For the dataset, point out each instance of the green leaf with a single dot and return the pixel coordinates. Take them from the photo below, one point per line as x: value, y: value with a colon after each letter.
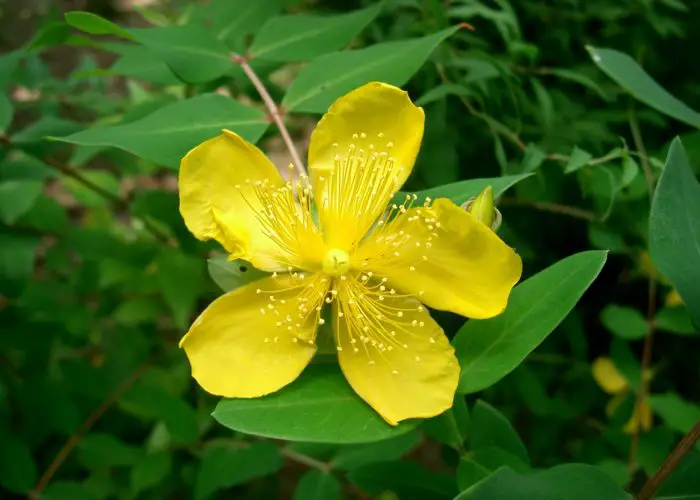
x: 137, y: 311
x: 408, y: 480
x: 17, y: 467
x: 567, y: 74
x: 684, y: 481
x: 165, y: 136
x: 318, y: 485
x: 579, y: 159
x: 490, y: 428
x: 141, y: 63
x: 630, y: 170
x: 452, y: 426
x: 223, y: 467
x: 322, y: 399
x: 17, y: 197
x: 232, y: 21
x: 563, y: 482
x: 232, y: 274
x: 675, y: 320
x: 488, y: 350
x: 102, y: 451
x: 86, y: 195
x: 358, y: 455
x: 624, y: 322
x: 630, y: 76
x: 67, y: 490
x: 443, y: 90
x: 6, y: 112
x: 149, y: 470
x: 180, y: 278
x: 674, y: 232
x: 302, y: 37
x: 8, y: 65
x: 677, y: 413
x: 95, y: 25
x: 51, y: 34
x: 191, y: 51
x: 478, y: 464
x: 331, y: 76
x: 461, y: 191
x: 17, y: 253
x: 532, y: 159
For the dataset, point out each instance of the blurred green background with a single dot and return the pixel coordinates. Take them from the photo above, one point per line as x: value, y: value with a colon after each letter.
x: 99, y: 278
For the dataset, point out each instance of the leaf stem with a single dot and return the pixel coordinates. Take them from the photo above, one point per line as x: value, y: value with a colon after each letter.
x: 273, y: 109
x: 556, y: 208
x: 305, y: 459
x: 682, y: 448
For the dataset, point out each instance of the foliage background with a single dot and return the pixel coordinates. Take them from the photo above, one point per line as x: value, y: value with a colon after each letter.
x: 99, y: 278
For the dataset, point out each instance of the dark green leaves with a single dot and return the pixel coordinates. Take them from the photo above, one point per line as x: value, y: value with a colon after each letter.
x: 320, y: 406
x: 490, y: 428
x: 302, y: 37
x: 490, y: 349
x: 180, y: 278
x: 624, y: 322
x: 629, y: 75
x: 331, y: 76
x: 17, y: 468
x: 564, y: 482
x: 226, y: 466
x: 674, y: 230
x: 318, y: 485
x: 166, y: 135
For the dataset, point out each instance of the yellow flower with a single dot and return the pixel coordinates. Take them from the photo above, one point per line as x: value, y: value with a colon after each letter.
x: 370, y: 263
x: 611, y: 381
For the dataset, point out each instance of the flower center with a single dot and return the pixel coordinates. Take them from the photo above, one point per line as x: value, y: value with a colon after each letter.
x: 336, y: 262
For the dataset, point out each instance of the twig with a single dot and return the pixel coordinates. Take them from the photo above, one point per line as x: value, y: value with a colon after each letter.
x: 272, y: 108
x: 651, y: 292
x: 306, y: 460
x: 556, y: 208
x: 97, y: 413
x: 671, y: 462
x: 118, y: 202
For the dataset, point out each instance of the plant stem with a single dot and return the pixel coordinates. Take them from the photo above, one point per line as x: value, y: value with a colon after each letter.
x: 118, y: 202
x: 97, y: 413
x: 556, y: 208
x: 306, y: 460
x: 273, y: 109
x: 671, y: 462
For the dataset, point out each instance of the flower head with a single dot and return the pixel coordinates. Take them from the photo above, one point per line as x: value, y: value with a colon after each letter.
x: 372, y: 261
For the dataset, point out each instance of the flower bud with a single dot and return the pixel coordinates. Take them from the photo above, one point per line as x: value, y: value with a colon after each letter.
x: 484, y: 208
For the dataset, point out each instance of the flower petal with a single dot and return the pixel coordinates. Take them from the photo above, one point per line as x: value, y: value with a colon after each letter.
x: 445, y: 257
x: 256, y: 339
x: 393, y: 354
x: 226, y: 193
x: 360, y: 154
x: 608, y: 376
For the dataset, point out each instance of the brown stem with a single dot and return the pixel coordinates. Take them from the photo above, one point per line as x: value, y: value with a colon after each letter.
x: 639, y: 146
x: 97, y: 413
x: 556, y: 208
x: 118, y: 202
x: 272, y: 109
x: 682, y: 448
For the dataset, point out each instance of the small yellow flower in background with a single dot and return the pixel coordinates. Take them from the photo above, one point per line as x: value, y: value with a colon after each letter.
x: 371, y: 263
x: 612, y: 382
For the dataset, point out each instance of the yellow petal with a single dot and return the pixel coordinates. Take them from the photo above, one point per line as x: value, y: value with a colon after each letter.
x: 393, y: 354
x: 360, y: 154
x: 641, y: 418
x: 445, y: 257
x: 249, y: 343
x: 226, y: 193
x: 608, y: 377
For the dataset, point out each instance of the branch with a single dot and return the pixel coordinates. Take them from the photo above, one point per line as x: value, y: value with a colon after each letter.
x: 556, y: 208
x: 115, y: 200
x: 684, y: 446
x: 97, y: 413
x: 273, y: 110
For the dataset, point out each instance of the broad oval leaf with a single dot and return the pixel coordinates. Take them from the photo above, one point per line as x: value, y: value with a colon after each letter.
x: 630, y: 75
x: 328, y: 77
x: 674, y: 228
x: 231, y: 21
x: 301, y: 37
x: 166, y: 135
x: 461, y: 191
x: 563, y: 482
x: 320, y: 406
x: 490, y: 428
x: 95, y: 25
x: 489, y: 349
